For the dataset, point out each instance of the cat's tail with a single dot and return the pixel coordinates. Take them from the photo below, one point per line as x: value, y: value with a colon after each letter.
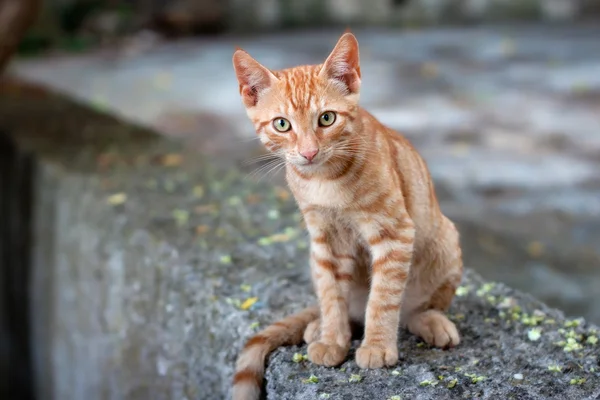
x: 250, y: 366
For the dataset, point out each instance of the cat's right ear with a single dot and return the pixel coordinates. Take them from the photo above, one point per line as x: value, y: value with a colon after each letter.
x: 343, y: 64
x: 252, y: 77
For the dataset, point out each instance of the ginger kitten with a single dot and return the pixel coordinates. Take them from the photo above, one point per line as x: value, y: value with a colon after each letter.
x: 382, y: 253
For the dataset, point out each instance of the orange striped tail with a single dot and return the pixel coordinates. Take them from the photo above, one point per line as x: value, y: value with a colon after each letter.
x: 250, y: 366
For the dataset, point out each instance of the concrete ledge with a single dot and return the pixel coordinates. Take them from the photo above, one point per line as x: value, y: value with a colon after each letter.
x: 152, y: 266
x: 513, y: 347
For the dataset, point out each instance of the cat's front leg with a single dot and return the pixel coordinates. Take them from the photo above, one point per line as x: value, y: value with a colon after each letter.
x: 391, y: 241
x: 331, y: 280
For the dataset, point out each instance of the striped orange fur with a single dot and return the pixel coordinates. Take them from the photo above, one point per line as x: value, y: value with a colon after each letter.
x: 382, y: 253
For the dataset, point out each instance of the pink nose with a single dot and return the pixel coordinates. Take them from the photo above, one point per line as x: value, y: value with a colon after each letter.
x: 309, y: 154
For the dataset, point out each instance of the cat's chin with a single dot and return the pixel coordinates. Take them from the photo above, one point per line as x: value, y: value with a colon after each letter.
x: 310, y: 166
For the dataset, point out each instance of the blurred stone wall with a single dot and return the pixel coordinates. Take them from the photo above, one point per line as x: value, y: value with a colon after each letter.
x: 117, y: 17
x: 78, y: 24
x: 277, y: 14
x: 282, y: 13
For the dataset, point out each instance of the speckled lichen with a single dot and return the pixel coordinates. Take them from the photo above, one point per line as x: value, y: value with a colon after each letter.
x: 555, y: 368
x: 299, y: 357
x: 534, y: 334
x: 523, y: 327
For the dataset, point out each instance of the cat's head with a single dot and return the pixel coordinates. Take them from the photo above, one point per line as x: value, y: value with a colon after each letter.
x: 306, y: 114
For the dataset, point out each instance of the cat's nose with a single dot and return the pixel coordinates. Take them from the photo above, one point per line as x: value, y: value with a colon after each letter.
x: 309, y: 154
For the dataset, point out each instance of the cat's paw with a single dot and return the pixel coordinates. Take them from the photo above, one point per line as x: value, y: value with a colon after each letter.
x: 312, y: 331
x: 327, y: 354
x: 435, y: 329
x: 371, y: 356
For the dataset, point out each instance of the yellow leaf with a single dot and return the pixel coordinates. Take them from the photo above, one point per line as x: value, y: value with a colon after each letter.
x: 202, y: 229
x: 253, y: 199
x: 429, y: 70
x: 181, y: 216
x: 246, y: 288
x: 172, y: 160
x: 206, y: 209
x: 198, y: 191
x: 535, y: 248
x: 248, y: 303
x: 116, y: 199
x: 282, y: 193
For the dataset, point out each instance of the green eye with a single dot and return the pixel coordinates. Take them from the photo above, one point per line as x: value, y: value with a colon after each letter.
x: 282, y: 124
x: 327, y: 118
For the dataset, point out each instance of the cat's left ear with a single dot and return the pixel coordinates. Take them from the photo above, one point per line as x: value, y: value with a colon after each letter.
x: 253, y: 77
x: 343, y: 64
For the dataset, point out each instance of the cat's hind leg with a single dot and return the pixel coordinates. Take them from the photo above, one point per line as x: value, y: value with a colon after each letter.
x: 312, y: 333
x: 437, y: 272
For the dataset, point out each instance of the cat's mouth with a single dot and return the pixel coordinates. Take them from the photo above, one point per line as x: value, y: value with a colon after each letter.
x: 310, y: 164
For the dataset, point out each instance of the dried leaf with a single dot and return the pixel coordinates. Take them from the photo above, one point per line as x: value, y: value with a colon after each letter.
x: 181, y: 216
x: 198, y: 191
x: 172, y: 160
x: 299, y: 357
x: 225, y: 259
x: 245, y: 287
x: 282, y: 193
x: 555, y: 368
x: 206, y: 209
x: 116, y: 199
x: 311, y: 379
x: 462, y: 291
x: 202, y: 229
x: 248, y: 303
x: 535, y: 249
x: 253, y: 199
x: 429, y: 70
x: 592, y: 340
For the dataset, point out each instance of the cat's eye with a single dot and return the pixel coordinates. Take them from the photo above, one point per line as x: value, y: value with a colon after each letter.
x: 282, y: 124
x: 327, y: 118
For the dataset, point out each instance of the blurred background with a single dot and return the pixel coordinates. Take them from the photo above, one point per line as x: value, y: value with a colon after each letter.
x: 502, y: 98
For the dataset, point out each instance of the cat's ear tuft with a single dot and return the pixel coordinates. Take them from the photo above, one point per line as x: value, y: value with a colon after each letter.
x: 252, y: 77
x: 343, y: 64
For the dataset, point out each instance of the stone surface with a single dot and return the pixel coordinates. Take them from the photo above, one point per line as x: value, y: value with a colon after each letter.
x: 498, y: 358
x: 506, y: 117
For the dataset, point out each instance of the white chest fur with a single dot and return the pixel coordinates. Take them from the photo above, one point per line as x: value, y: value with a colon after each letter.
x: 330, y: 194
